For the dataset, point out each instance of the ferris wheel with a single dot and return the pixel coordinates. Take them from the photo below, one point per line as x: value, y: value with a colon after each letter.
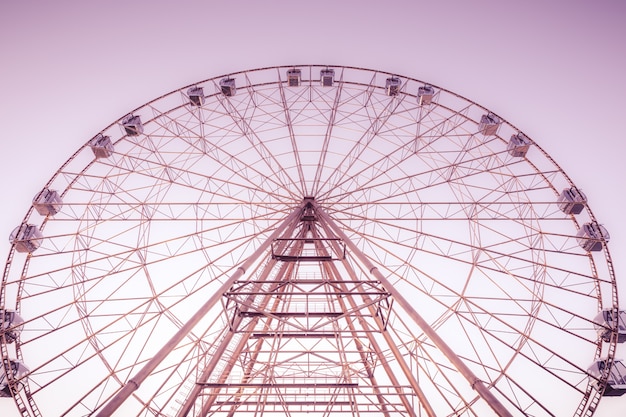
x: 318, y: 240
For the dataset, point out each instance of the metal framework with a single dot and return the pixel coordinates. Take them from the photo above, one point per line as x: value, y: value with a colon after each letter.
x: 308, y: 240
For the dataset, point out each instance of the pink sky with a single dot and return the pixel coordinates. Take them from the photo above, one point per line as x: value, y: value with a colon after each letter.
x: 554, y: 69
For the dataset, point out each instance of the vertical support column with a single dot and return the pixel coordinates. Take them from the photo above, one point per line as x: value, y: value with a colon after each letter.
x: 184, y: 411
x: 472, y: 379
x: 136, y: 381
x: 390, y: 343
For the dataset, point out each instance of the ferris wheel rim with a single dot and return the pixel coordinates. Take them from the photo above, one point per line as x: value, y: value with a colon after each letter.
x: 278, y: 69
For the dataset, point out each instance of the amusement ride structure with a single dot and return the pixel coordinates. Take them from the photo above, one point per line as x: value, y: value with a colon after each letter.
x: 310, y: 240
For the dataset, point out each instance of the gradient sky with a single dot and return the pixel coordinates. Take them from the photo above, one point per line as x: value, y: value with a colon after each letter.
x: 555, y: 69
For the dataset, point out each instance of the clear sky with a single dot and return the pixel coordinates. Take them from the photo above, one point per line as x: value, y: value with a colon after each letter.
x: 553, y: 68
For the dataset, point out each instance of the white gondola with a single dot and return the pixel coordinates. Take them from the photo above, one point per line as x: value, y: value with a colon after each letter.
x: 425, y: 95
x: 518, y: 145
x: 489, y: 124
x: 101, y: 146
x: 227, y: 86
x: 26, y: 237
x: 196, y: 96
x: 47, y: 202
x: 132, y: 125
x: 572, y: 201
x: 12, y: 325
x: 592, y: 236
x: 616, y: 382
x: 604, y: 323
x: 392, y: 86
x: 18, y: 371
x: 294, y: 77
x: 327, y: 77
